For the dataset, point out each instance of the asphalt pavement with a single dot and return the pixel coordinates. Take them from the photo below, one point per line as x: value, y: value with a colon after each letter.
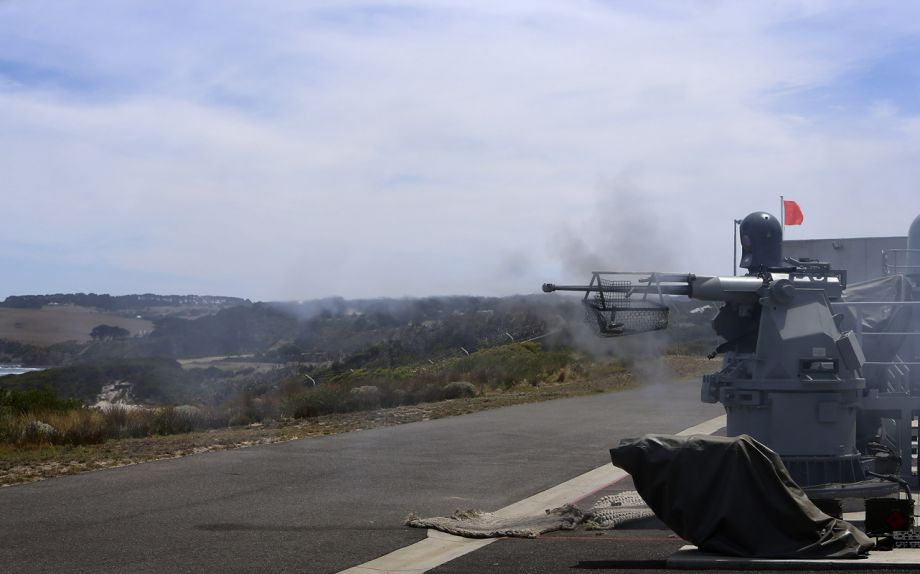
x: 325, y: 504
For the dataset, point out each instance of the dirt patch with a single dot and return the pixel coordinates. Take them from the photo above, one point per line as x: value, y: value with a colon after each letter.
x: 19, y: 465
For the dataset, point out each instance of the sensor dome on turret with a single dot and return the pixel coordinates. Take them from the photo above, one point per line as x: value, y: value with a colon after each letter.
x: 761, y: 242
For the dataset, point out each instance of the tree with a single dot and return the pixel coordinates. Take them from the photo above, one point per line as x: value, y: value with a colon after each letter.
x: 103, y: 332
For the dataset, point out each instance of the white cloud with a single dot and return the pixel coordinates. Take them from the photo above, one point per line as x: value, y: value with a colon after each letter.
x: 417, y: 148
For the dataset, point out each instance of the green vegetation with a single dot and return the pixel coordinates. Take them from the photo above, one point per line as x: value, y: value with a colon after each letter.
x: 35, y: 460
x: 358, y: 334
x: 375, y: 334
x: 33, y: 413
x: 237, y: 330
x: 104, y: 332
x: 82, y: 426
x: 18, y: 352
x: 493, y: 369
x: 155, y: 380
x: 286, y: 362
x: 34, y: 400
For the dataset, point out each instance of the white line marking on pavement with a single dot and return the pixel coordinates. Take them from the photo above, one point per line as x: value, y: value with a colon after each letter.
x: 708, y: 427
x: 422, y: 556
x: 440, y: 548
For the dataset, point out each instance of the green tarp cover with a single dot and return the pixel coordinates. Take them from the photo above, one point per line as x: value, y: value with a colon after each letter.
x: 733, y: 495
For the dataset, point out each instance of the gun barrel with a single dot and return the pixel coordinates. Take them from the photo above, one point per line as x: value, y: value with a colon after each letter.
x: 549, y: 288
x: 663, y: 288
x: 705, y: 288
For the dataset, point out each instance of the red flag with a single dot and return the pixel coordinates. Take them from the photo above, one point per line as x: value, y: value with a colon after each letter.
x: 792, y: 213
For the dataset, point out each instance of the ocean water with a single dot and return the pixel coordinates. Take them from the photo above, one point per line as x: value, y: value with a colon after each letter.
x: 15, y: 370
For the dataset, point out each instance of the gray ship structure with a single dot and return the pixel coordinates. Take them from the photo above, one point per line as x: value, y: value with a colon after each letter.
x: 825, y: 374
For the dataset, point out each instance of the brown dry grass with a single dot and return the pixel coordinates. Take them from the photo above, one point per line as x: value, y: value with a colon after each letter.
x: 18, y: 465
x: 59, y: 323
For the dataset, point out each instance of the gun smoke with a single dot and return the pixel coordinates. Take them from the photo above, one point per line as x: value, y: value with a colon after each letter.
x: 626, y: 231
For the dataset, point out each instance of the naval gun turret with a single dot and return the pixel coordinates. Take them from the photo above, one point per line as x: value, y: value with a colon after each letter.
x: 791, y: 375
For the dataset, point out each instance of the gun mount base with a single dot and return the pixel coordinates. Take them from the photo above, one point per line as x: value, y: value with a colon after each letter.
x: 852, y: 491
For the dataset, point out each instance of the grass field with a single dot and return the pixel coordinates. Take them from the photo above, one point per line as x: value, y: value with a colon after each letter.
x: 226, y: 362
x: 59, y: 323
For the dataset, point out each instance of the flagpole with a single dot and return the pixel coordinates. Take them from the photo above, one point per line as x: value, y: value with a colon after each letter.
x: 782, y: 213
x: 735, y: 243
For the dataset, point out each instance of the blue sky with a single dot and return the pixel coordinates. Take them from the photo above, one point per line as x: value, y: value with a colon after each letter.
x: 289, y: 150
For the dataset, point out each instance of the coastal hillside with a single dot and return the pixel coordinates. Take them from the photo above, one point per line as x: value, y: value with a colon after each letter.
x: 53, y: 324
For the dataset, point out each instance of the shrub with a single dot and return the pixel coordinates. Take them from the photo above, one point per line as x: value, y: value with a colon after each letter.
x: 73, y: 427
x: 121, y: 421
x: 458, y: 389
x: 80, y: 426
x: 254, y: 405
x: 170, y: 420
x: 35, y: 400
x: 138, y: 424
x: 320, y: 400
x: 366, y: 397
x: 398, y: 397
x: 116, y: 419
x: 38, y: 432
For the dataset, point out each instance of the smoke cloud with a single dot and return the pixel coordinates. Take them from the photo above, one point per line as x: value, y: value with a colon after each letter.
x: 628, y: 229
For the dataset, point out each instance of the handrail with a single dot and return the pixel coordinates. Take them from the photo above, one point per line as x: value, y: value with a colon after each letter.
x: 894, y: 268
x: 868, y: 303
x: 909, y: 334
